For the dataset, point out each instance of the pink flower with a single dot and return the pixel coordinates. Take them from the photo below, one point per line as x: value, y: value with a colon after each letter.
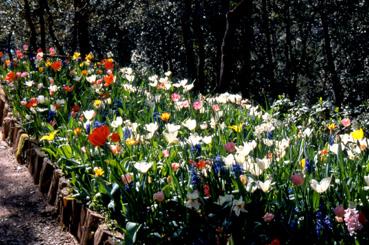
x: 175, y: 166
x: 24, y: 74
x: 52, y: 51
x: 197, y: 105
x: 215, y: 107
x: 185, y: 104
x: 268, y: 217
x: 230, y: 147
x: 165, y: 153
x: 175, y: 97
x: 352, y: 221
x: 346, y: 122
x: 339, y: 211
x: 127, y: 178
x: 25, y: 47
x: 297, y: 179
x: 159, y: 196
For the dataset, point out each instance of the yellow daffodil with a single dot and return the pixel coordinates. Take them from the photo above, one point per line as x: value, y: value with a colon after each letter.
x: 131, y: 141
x: 98, y: 171
x: 97, y: 103
x: 331, y: 126
x: 77, y: 131
x: 237, y: 128
x: 303, y: 163
x: 76, y: 55
x: 358, y: 134
x: 89, y: 57
x: 50, y: 136
x: 165, y: 116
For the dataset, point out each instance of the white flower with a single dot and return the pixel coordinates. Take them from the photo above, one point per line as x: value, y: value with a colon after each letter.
x: 171, y: 138
x: 89, y: 114
x: 41, y: 99
x: 194, y: 139
x: 91, y: 79
x: 117, y: 122
x: 246, y: 148
x: 168, y: 73
x: 151, y: 127
x: 203, y: 125
x: 263, y: 163
x: 266, y: 185
x: 29, y: 83
x: 192, y: 200
x: 321, y: 186
x: 180, y: 83
x: 238, y: 206
x: 229, y: 160
x: 226, y: 199
x: 366, y: 179
x: 207, y: 139
x: 307, y: 132
x: 172, y: 128
x: 143, y: 166
x: 53, y: 88
x: 190, y: 124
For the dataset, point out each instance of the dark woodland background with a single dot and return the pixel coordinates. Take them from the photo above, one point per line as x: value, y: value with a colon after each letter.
x: 304, y: 49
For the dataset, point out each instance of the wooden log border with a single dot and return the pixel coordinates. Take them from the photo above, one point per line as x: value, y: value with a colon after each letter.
x: 84, y: 224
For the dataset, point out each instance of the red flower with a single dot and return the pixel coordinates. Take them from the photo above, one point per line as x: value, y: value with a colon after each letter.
x: 206, y: 190
x: 68, y: 88
x: 10, y: 77
x: 230, y: 147
x: 99, y: 135
x: 108, y: 64
x: 297, y: 179
x: 201, y: 164
x: 115, y: 137
x: 56, y: 65
x: 108, y: 79
x: 31, y: 103
x: 275, y: 242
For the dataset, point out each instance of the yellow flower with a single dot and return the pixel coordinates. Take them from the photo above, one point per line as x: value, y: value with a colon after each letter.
x: 243, y: 179
x: 165, y: 116
x: 303, y: 163
x: 97, y: 103
x: 77, y: 131
x: 40, y: 69
x: 49, y: 137
x: 89, y: 57
x: 131, y: 141
x: 76, y: 55
x: 358, y: 134
x: 98, y: 171
x: 48, y: 63
x: 331, y: 126
x: 236, y: 128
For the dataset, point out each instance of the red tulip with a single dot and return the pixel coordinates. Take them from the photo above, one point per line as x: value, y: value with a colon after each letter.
x: 99, y: 135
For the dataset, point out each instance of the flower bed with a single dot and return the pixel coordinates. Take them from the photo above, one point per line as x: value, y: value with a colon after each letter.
x: 164, y: 165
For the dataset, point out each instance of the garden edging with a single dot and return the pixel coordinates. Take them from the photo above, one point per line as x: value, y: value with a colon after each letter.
x: 85, y: 225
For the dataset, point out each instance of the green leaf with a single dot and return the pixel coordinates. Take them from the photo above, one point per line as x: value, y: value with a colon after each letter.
x: 132, y: 229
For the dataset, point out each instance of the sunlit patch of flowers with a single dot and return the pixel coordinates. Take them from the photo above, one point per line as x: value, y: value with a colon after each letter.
x: 147, y: 151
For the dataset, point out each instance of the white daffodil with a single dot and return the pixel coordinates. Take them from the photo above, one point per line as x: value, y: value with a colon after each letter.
x: 143, y: 166
x: 117, y: 122
x: 229, y: 160
x: 190, y: 124
x: 172, y: 128
x: 89, y: 115
x: 366, y: 179
x: 321, y: 186
x: 239, y: 206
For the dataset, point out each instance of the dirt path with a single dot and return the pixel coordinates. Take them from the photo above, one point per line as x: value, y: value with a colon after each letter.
x: 24, y: 217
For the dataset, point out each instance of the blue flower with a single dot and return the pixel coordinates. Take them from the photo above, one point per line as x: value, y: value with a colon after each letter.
x: 98, y: 124
x: 237, y: 170
x: 195, y: 180
x: 51, y: 115
x: 309, y: 166
x: 217, y: 164
x: 127, y: 133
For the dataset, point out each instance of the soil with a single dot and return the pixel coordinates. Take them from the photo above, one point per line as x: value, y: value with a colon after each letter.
x: 25, y: 218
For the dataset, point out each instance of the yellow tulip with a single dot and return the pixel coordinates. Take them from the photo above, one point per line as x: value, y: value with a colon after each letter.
x: 50, y: 136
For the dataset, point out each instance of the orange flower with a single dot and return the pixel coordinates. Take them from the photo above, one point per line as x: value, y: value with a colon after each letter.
x: 324, y: 152
x: 31, y: 103
x: 108, y: 79
x: 99, y: 135
x: 56, y: 65
x: 10, y: 77
x: 84, y: 72
x: 201, y: 164
x: 68, y: 88
x: 108, y: 64
x: 77, y: 131
x: 165, y: 116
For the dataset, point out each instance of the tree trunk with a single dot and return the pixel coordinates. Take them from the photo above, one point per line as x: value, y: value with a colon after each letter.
x: 331, y: 69
x: 50, y: 22
x: 269, y: 62
x: 244, y: 8
x: 188, y: 39
x: 81, y: 22
x: 200, y: 75
x: 33, y: 34
x: 41, y: 11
